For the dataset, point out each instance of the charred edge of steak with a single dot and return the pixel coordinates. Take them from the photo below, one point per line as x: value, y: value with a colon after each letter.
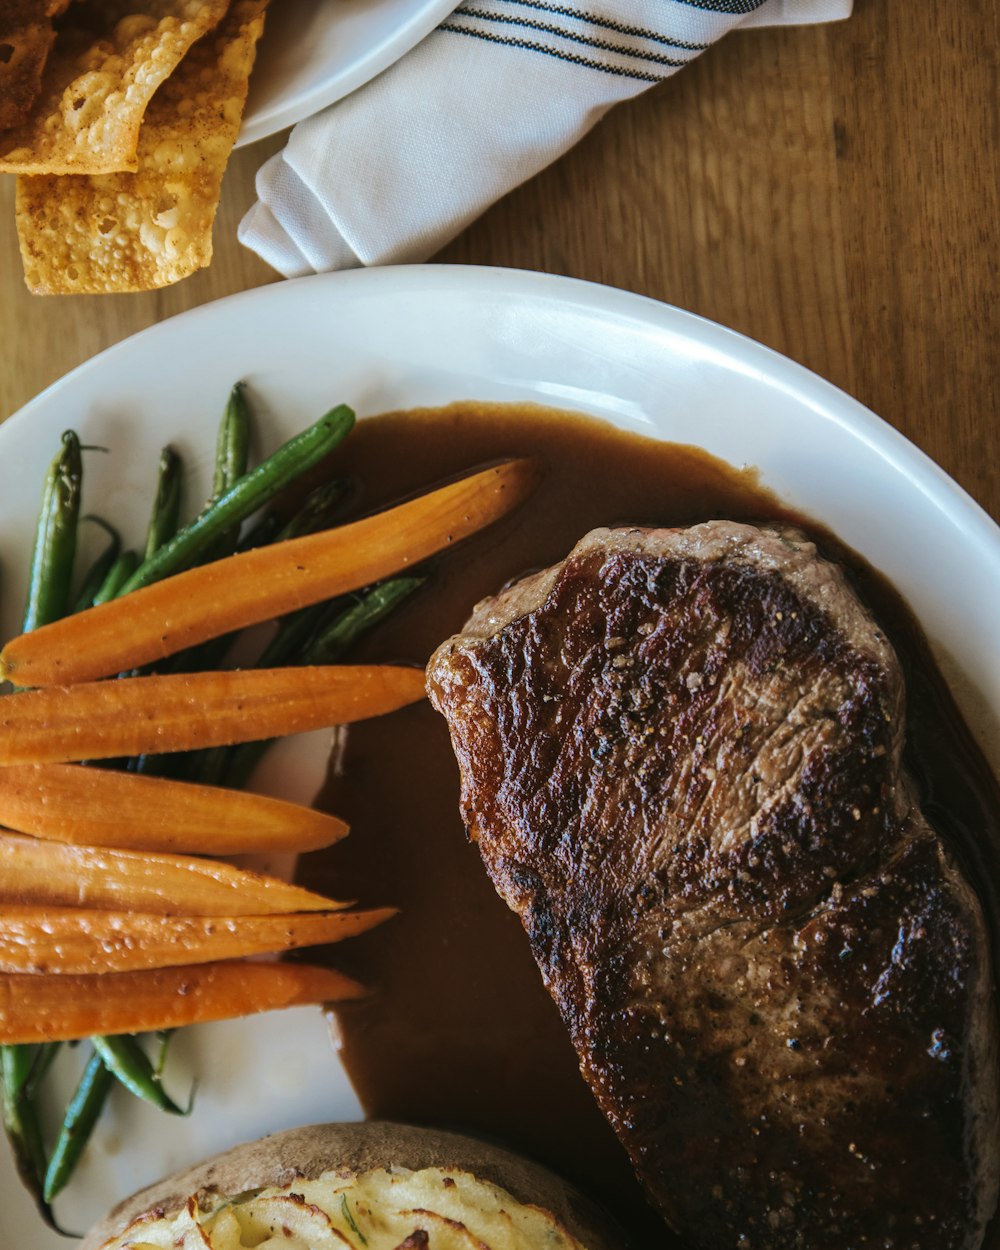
x: 680, y: 757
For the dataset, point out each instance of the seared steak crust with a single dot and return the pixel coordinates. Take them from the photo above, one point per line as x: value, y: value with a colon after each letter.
x: 680, y: 758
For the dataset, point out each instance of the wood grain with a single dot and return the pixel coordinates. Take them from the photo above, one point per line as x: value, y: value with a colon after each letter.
x: 43, y: 337
x: 830, y: 191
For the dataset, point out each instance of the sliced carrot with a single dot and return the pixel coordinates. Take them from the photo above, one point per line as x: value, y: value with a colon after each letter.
x: 67, y: 940
x: 52, y: 1009
x: 187, y: 711
x: 103, y: 807
x: 51, y: 874
x: 254, y: 586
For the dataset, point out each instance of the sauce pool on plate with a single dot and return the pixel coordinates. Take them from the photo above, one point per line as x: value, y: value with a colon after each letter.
x: 459, y: 1031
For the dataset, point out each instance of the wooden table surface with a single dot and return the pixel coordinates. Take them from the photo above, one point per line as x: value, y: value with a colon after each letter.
x: 833, y: 192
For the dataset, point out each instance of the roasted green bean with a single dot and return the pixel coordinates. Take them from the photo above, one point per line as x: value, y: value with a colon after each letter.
x: 126, y: 1060
x: 119, y: 573
x: 81, y: 1116
x: 232, y: 448
x: 251, y: 492
x: 50, y: 581
x: 94, y: 578
x: 358, y: 618
x: 166, y: 512
x: 21, y: 1123
x: 233, y: 766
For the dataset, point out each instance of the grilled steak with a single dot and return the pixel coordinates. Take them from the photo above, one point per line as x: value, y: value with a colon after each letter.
x: 681, y: 760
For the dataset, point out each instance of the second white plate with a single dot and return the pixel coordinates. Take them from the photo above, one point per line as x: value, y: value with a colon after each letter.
x: 315, y: 52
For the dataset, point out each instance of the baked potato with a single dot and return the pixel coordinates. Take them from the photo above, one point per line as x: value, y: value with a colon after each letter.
x: 366, y: 1186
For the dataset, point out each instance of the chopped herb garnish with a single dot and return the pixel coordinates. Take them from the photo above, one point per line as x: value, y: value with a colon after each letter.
x: 351, y: 1220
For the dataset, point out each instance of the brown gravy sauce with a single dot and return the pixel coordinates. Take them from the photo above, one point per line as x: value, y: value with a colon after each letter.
x: 459, y: 1031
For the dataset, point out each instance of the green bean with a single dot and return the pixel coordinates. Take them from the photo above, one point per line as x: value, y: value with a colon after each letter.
x: 15, y: 1068
x: 55, y: 538
x: 299, y: 639
x: 166, y: 512
x: 210, y: 767
x: 321, y: 506
x: 49, y: 588
x: 125, y: 1059
x: 45, y: 1053
x: 293, y: 632
x: 81, y: 1116
x: 232, y: 449
x: 231, y: 455
x: 251, y: 492
x: 163, y: 1036
x: 236, y: 494
x: 98, y: 571
x: 348, y: 626
x: 214, y: 764
x: 315, y: 514
x: 21, y: 1124
x: 119, y: 573
x: 234, y: 765
x: 263, y: 531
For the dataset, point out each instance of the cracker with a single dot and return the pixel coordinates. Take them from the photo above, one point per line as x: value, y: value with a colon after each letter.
x: 136, y: 232
x: 26, y: 36
x: 109, y: 59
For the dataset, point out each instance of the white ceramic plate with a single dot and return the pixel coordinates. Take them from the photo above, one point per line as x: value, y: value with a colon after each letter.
x: 393, y: 338
x: 317, y: 51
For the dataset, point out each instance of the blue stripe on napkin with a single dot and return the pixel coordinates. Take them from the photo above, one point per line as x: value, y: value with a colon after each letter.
x: 593, y: 19
x: 583, y: 36
x: 571, y: 57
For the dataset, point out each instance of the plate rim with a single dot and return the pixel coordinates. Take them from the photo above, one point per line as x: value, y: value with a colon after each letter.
x: 822, y: 396
x: 402, y: 38
x: 537, y: 293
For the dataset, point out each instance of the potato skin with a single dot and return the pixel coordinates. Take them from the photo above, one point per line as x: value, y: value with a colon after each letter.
x: 307, y: 1152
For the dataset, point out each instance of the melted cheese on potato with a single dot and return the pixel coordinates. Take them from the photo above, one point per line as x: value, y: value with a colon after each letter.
x: 396, y: 1209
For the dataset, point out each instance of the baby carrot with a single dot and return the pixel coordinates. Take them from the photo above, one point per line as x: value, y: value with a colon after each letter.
x: 244, y: 496
x: 50, y: 874
x: 254, y: 586
x: 41, y: 1009
x: 106, y: 807
x: 64, y: 940
x: 188, y: 711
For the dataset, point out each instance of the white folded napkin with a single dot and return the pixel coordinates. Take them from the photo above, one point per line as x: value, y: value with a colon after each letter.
x: 502, y: 87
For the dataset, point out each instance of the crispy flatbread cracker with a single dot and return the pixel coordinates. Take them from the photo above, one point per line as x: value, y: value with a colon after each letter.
x: 26, y: 35
x: 135, y: 232
x: 109, y: 59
